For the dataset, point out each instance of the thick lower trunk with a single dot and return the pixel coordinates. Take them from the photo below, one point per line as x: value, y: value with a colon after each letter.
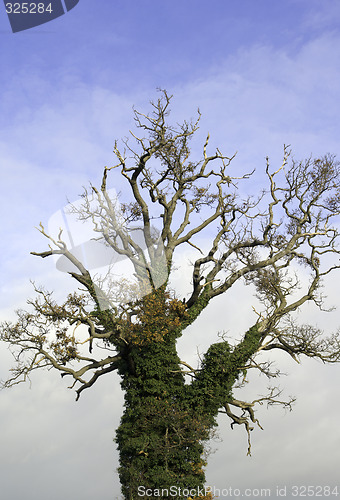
x: 159, y: 455
x: 161, y: 436
x: 166, y: 422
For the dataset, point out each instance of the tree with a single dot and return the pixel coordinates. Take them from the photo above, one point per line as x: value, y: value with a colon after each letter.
x: 282, y: 242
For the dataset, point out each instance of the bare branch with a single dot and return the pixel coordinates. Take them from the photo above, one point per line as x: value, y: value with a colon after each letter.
x: 247, y: 416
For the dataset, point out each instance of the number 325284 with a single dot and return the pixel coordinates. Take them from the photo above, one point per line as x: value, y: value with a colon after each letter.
x: 28, y: 8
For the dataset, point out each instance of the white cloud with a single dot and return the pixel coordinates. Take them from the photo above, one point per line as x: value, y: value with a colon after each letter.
x: 261, y: 98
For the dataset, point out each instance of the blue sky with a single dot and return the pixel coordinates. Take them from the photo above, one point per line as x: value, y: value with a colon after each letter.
x: 263, y: 74
x: 148, y: 42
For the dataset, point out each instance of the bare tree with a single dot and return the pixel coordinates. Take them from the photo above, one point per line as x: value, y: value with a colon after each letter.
x: 282, y: 242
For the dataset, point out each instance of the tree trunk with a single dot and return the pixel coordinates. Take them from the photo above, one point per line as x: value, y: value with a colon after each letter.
x: 161, y: 434
x: 166, y: 421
